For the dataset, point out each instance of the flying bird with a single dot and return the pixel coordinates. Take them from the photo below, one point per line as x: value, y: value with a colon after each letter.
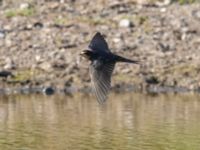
x: 102, y: 65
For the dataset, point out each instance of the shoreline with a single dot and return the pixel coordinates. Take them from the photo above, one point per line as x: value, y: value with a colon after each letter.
x: 151, y: 89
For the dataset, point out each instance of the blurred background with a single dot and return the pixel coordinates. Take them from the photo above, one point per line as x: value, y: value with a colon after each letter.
x: 40, y: 41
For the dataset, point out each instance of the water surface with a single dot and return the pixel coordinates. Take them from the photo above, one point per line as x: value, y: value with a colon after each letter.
x: 125, y: 122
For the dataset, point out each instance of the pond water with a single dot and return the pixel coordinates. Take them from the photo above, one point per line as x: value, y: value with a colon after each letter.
x: 126, y: 122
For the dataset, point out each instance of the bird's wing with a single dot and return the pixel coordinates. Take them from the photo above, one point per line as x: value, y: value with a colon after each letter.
x: 101, y: 79
x: 98, y: 43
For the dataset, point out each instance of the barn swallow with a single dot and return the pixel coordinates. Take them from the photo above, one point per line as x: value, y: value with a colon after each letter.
x: 102, y: 65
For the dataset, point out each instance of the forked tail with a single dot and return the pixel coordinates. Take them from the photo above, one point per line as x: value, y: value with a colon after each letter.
x: 122, y: 59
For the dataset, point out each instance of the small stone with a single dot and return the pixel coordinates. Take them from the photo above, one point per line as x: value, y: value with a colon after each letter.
x: 46, y: 66
x: 8, y: 27
x: 163, y: 9
x: 162, y: 3
x: 163, y: 47
x: 38, y: 25
x: 152, y: 80
x: 29, y: 27
x: 38, y: 59
x: 10, y: 64
x: 116, y: 40
x: 24, y: 6
x: 69, y: 82
x: 2, y: 34
x: 8, y: 42
x: 48, y: 91
x: 196, y: 14
x: 125, y: 23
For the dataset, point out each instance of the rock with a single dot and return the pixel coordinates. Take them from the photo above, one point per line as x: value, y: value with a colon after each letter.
x: 48, y: 90
x: 69, y: 82
x: 6, y: 74
x: 163, y: 10
x: 60, y: 64
x: 162, y: 3
x: 8, y: 42
x: 126, y: 23
x: 152, y: 80
x: 2, y: 34
x: 38, y: 25
x: 196, y: 14
x: 10, y: 64
x: 24, y: 6
x: 46, y: 66
x: 163, y: 47
x: 144, y: 2
x: 62, y: 1
x: 116, y: 40
x: 38, y: 59
x: 25, y: 82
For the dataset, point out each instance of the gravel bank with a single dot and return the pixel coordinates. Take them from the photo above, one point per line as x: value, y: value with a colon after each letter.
x: 40, y: 44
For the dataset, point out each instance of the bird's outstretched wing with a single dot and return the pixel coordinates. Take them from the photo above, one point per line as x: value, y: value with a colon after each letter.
x: 101, y: 80
x: 98, y: 43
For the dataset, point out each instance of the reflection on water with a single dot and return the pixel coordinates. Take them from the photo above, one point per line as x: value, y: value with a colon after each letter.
x: 126, y: 121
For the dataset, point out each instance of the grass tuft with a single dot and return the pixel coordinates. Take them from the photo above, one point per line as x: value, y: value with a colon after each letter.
x: 185, y: 1
x: 20, y: 12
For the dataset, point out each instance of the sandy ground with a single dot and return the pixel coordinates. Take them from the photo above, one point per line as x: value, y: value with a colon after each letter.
x: 40, y: 42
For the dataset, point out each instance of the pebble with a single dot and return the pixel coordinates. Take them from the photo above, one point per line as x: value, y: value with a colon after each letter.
x: 196, y: 14
x: 10, y: 64
x: 125, y: 23
x: 163, y: 10
x: 8, y: 42
x: 46, y: 66
x: 116, y: 40
x: 38, y: 25
x: 163, y: 3
x: 163, y: 47
x: 151, y: 80
x: 48, y: 91
x: 2, y: 34
x: 24, y: 6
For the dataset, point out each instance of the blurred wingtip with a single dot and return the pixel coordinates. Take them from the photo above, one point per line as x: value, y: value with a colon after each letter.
x: 98, y: 43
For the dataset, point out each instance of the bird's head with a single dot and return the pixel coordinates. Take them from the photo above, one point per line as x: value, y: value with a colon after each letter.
x: 86, y: 54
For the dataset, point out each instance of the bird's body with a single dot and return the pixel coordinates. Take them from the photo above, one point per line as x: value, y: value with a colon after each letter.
x: 102, y: 65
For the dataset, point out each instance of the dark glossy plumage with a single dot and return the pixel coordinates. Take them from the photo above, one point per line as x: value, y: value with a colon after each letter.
x: 102, y: 65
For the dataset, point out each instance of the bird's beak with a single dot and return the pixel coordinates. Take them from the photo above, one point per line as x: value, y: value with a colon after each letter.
x: 82, y: 53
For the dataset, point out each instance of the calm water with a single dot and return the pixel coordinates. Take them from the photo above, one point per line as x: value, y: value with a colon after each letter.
x: 126, y: 122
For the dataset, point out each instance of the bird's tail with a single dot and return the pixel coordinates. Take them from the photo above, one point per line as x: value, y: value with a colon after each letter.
x: 122, y: 59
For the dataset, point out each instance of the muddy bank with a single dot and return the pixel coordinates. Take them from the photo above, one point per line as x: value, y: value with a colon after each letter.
x: 40, y: 44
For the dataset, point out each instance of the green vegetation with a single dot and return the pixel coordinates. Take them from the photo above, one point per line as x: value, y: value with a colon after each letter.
x: 20, y: 12
x: 61, y: 21
x: 185, y: 1
x: 23, y: 75
x: 26, y: 74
